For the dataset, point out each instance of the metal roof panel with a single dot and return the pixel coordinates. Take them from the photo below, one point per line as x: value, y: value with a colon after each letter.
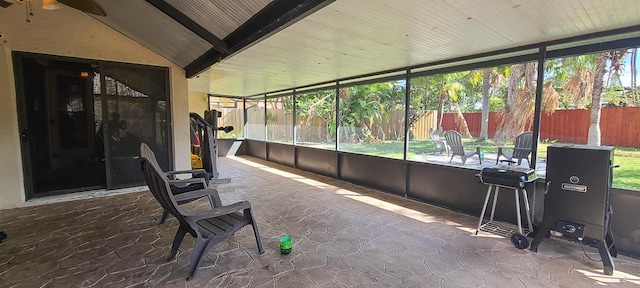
x: 220, y: 17
x: 153, y: 29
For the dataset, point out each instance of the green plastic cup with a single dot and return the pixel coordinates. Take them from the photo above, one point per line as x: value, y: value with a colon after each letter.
x: 286, y: 243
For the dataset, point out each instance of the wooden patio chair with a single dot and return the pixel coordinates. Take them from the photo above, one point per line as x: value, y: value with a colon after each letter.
x: 441, y: 145
x: 208, y: 227
x: 198, y: 181
x: 454, y: 140
x: 521, y: 149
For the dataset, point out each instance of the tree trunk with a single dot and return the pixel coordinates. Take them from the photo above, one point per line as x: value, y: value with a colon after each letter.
x: 484, y: 128
x: 634, y: 73
x: 461, y: 122
x: 441, y: 100
x: 515, y: 77
x: 594, y: 120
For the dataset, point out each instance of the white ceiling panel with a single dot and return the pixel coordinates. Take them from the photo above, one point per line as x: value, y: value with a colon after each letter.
x: 153, y: 29
x: 355, y: 37
x: 220, y: 17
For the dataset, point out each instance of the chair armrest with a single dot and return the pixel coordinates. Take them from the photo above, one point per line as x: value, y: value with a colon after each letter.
x: 195, y: 194
x: 188, y: 181
x: 219, y: 211
x: 185, y: 171
x: 214, y: 197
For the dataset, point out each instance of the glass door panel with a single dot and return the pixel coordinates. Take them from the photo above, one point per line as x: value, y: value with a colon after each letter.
x: 56, y: 124
x: 134, y: 110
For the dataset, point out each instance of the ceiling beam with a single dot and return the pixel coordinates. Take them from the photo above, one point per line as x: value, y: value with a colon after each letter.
x: 276, y: 16
x: 184, y: 20
x: 203, y: 62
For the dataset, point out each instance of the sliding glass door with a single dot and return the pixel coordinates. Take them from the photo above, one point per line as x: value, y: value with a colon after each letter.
x: 133, y: 110
x: 82, y: 122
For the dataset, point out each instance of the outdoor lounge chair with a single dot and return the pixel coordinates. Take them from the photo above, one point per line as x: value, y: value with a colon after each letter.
x: 199, y: 181
x: 441, y: 145
x: 208, y: 227
x: 521, y: 150
x: 454, y: 140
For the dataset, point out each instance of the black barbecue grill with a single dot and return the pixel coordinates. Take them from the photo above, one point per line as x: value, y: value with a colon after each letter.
x: 515, y: 178
x: 577, y: 203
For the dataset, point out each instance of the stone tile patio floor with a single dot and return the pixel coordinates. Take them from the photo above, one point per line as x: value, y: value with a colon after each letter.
x: 344, y: 236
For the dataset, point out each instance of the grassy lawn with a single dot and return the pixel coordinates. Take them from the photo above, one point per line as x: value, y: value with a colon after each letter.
x: 626, y: 176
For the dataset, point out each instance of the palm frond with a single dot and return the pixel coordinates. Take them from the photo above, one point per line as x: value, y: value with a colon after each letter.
x: 579, y: 86
x: 495, y: 79
x: 550, y: 98
x: 519, y: 117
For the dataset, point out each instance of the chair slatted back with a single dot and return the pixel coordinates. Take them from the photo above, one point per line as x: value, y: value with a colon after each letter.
x: 435, y: 137
x: 454, y: 140
x: 522, y: 145
x: 147, y: 153
x: 159, y: 186
x: 433, y: 133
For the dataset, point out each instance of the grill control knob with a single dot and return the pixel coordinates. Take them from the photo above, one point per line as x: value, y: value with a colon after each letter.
x: 569, y: 228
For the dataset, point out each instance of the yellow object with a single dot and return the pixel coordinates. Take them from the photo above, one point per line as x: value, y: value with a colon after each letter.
x: 51, y: 5
x: 196, y: 162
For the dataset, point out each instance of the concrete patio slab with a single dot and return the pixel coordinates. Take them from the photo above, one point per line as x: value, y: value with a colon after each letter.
x: 344, y: 236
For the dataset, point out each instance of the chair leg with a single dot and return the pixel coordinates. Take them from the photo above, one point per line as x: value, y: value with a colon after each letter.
x: 255, y: 231
x: 176, y: 242
x: 196, y: 256
x: 451, y: 158
x: 165, y: 215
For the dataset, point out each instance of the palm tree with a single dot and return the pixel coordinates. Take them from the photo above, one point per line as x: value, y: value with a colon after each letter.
x: 519, y: 101
x: 634, y: 72
x: 615, y: 57
x: 594, y: 118
x: 583, y: 78
x: 463, y: 127
x: 491, y: 78
x: 364, y: 107
x: 579, y: 86
x: 448, y: 87
x: 484, y: 126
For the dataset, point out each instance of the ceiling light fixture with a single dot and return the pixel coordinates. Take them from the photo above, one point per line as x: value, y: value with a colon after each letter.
x: 87, y: 6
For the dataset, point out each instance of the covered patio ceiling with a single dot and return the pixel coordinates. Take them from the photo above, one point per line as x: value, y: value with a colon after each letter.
x: 355, y: 37
x: 243, y: 48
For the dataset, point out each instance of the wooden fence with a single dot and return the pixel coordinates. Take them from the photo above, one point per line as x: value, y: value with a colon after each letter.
x: 619, y: 126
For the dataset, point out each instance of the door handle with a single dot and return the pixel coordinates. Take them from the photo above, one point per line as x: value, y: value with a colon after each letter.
x: 23, y: 135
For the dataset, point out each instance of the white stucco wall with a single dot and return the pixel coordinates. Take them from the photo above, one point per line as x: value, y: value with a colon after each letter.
x: 198, y: 102
x: 68, y: 32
